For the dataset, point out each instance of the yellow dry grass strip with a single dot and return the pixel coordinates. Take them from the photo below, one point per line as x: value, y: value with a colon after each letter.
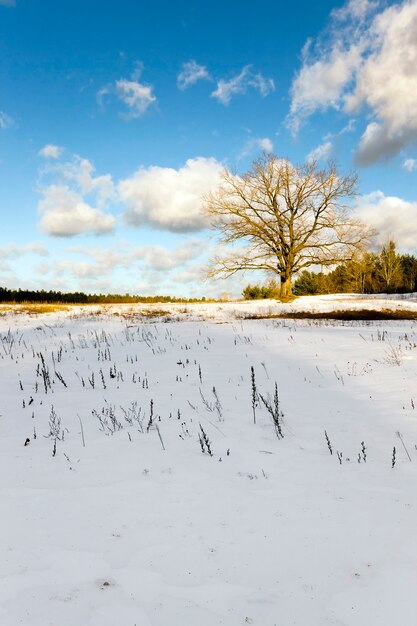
x: 33, y: 309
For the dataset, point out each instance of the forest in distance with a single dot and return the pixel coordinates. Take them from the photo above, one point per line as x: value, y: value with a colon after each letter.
x: 18, y: 296
x: 370, y: 273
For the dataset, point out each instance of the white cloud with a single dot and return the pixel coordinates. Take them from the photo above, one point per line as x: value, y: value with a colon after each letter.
x: 392, y: 217
x: 256, y: 143
x: 102, y: 93
x: 13, y: 251
x: 369, y: 60
x: 266, y: 144
x: 66, y: 206
x: 194, y: 274
x: 137, y: 96
x: 191, y: 72
x: 264, y: 85
x: 64, y: 213
x: 50, y: 151
x: 42, y: 268
x: 156, y: 259
x: 6, y: 121
x: 410, y: 165
x: 320, y: 84
x: 321, y: 152
x: 387, y: 84
x: 239, y: 84
x: 8, y: 3
x: 84, y: 269
x: 170, y: 199
x: 160, y: 258
x: 356, y: 9
x: 81, y: 172
x: 348, y: 128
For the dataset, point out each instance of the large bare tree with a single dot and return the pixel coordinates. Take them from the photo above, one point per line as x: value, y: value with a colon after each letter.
x: 284, y: 218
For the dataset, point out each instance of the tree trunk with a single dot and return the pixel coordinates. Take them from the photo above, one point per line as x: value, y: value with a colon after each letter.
x: 286, y: 287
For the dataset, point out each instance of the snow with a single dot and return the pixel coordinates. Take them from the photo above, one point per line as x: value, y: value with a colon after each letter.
x: 267, y: 531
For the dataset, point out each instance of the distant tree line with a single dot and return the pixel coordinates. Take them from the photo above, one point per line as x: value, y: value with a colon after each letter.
x: 78, y: 297
x: 383, y: 272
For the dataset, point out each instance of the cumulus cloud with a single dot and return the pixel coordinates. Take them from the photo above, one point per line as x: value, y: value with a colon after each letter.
x: 320, y: 84
x: 392, y: 218
x: 170, y: 199
x: 191, y: 72
x: 6, y: 121
x: 81, y: 172
x: 240, y: 84
x: 66, y: 207
x: 135, y: 95
x: 157, y: 259
x: 13, y: 251
x: 195, y: 273
x: 64, y: 213
x: 83, y: 269
x: 368, y: 60
x: 321, y: 152
x: 50, y: 151
x: 156, y: 256
x: 410, y: 165
x: 160, y: 258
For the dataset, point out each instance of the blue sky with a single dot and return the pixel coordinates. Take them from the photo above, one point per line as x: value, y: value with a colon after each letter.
x: 115, y: 116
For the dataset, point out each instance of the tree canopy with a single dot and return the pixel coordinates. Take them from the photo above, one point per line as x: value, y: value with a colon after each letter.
x: 284, y: 219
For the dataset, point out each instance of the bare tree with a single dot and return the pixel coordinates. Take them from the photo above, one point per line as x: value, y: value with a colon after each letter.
x: 290, y: 217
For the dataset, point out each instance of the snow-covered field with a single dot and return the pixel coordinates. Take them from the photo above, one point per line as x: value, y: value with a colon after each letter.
x: 113, y: 516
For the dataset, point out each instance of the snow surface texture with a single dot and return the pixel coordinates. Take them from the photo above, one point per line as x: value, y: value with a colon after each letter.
x: 102, y: 526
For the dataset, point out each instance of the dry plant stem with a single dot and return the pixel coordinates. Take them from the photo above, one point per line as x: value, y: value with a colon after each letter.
x: 159, y: 435
x: 329, y: 445
x: 400, y: 437
x: 82, y: 430
x: 274, y: 410
x: 254, y: 393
